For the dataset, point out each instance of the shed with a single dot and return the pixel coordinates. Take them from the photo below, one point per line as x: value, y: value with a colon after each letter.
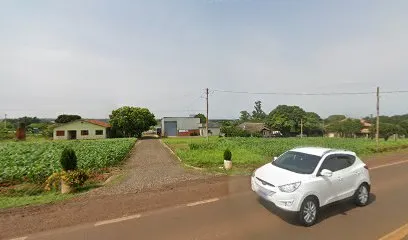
x: 214, y: 129
x: 256, y: 128
x: 180, y: 126
x: 82, y: 129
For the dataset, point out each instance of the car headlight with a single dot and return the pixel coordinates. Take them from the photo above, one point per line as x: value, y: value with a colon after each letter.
x: 291, y: 187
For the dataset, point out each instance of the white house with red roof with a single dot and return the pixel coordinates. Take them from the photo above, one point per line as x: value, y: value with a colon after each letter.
x: 82, y: 129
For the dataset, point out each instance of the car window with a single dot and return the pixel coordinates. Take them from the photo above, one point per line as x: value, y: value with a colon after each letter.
x: 345, y: 161
x: 297, y: 162
x: 337, y: 162
x: 329, y: 164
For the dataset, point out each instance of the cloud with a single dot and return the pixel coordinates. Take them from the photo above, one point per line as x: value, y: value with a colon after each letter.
x: 162, y: 56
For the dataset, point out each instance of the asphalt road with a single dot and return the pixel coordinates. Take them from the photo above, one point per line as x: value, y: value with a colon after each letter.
x: 245, y: 216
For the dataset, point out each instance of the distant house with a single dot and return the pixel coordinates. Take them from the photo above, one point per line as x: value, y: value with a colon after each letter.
x: 82, y: 129
x: 180, y: 126
x: 365, y: 128
x: 364, y: 131
x: 256, y: 128
x: 214, y: 129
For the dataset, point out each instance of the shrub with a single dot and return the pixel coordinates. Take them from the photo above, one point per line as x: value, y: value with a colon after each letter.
x: 53, y: 181
x: 74, y: 178
x: 227, y: 155
x: 68, y: 160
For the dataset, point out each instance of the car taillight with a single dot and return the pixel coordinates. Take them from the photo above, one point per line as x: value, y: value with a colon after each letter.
x: 366, y: 167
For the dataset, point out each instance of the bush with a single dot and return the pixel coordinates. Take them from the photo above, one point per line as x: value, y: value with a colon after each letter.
x: 74, y: 178
x: 227, y: 155
x: 68, y: 160
x: 234, y: 131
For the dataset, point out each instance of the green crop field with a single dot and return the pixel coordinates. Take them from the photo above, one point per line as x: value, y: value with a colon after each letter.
x: 35, y: 161
x: 249, y: 153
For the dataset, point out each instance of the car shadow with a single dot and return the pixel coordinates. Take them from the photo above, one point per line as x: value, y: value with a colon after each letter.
x: 337, y: 208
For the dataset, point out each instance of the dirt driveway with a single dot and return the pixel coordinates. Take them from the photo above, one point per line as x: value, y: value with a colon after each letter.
x: 150, y: 166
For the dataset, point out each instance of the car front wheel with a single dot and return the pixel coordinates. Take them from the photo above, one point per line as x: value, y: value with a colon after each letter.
x: 308, y: 211
x: 362, y: 195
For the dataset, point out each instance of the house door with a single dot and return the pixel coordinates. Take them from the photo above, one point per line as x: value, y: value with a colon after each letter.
x: 72, y: 134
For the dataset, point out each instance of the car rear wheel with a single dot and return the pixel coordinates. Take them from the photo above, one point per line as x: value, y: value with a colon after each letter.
x: 308, y: 211
x: 362, y: 195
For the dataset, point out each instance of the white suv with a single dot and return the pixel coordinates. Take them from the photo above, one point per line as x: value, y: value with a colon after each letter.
x: 304, y: 179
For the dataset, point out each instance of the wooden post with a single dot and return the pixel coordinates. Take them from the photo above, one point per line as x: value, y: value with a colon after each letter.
x: 323, y: 128
x: 206, y: 120
x: 377, y: 134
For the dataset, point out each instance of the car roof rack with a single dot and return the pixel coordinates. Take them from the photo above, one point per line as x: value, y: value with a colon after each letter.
x: 336, y: 150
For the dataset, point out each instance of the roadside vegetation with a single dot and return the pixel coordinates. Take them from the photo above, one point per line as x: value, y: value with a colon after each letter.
x: 35, y: 161
x: 250, y: 153
x: 25, y: 167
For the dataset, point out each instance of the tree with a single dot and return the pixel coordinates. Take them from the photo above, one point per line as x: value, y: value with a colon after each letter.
x: 6, y: 127
x: 346, y: 128
x: 28, y: 120
x: 245, y: 116
x: 132, y: 121
x: 388, y: 129
x: 286, y: 119
x: 404, y: 126
x: 65, y: 118
x: 312, y: 124
x: 334, y: 118
x: 258, y: 114
x: 231, y: 129
x: 202, y: 117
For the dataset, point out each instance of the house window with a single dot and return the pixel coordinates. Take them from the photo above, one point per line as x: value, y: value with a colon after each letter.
x: 84, y: 132
x: 98, y: 132
x: 60, y: 133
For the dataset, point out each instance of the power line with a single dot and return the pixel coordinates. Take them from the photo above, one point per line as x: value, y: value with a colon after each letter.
x: 308, y: 94
x: 189, y: 110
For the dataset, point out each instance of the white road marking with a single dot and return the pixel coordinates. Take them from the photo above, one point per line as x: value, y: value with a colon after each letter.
x: 19, y: 238
x: 202, y: 202
x: 397, y: 234
x: 387, y: 165
x: 117, y: 220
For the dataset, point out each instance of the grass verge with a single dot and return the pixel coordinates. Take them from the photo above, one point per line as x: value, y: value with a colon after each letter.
x: 18, y: 201
x: 250, y: 153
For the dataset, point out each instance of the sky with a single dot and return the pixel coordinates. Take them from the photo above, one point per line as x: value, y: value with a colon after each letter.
x: 89, y: 57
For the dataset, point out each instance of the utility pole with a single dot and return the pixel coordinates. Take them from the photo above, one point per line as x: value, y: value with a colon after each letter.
x: 323, y: 127
x: 301, y: 127
x: 377, y: 134
x: 206, y: 120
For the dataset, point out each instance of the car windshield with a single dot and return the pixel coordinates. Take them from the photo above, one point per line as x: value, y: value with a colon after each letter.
x: 297, y: 162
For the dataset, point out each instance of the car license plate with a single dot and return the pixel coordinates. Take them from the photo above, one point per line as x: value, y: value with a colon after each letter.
x: 263, y: 192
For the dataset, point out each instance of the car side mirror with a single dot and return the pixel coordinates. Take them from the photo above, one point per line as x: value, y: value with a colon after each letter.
x: 326, y: 173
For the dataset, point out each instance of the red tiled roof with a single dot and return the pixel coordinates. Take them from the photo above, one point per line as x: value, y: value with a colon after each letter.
x: 99, y: 123
x: 365, y: 123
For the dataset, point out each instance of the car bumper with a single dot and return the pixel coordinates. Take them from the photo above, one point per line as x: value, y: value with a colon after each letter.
x: 285, y: 201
